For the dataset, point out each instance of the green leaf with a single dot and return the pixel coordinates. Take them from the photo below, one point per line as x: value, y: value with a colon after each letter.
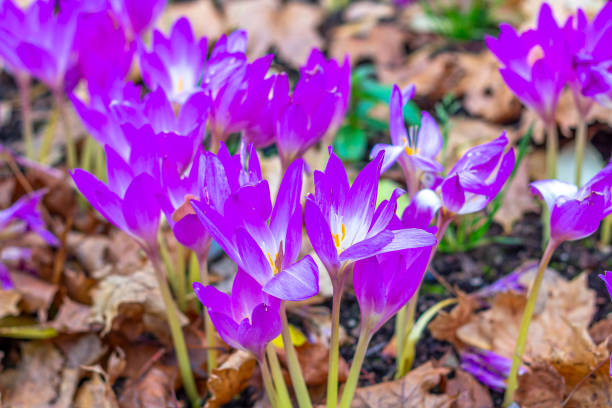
x: 350, y: 143
x: 386, y: 188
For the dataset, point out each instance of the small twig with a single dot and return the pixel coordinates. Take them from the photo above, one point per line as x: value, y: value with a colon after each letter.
x: 573, y: 391
x: 442, y: 281
x: 60, y: 257
x: 18, y: 173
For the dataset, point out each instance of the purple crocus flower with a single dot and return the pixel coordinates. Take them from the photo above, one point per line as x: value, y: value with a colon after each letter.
x: 137, y: 15
x: 331, y: 78
x: 415, y: 150
x: 40, y: 41
x: 385, y: 283
x: 488, y: 367
x: 262, y: 240
x: 176, y: 63
x: 592, y: 57
x: 421, y: 211
x: 343, y: 223
x: 534, y: 63
x: 130, y: 201
x: 317, y: 106
x: 477, y: 177
x: 576, y: 213
x: 21, y: 217
x: 241, y: 97
x: 247, y: 320
x: 104, y: 51
x: 227, y: 58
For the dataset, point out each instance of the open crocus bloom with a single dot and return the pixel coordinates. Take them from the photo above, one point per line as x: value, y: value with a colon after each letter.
x: 129, y: 201
x: 576, y: 213
x: 415, y: 150
x: 262, y: 240
x: 343, y: 223
x: 477, y: 177
x: 385, y: 283
x: 421, y: 211
x: 39, y: 40
x: 534, y: 62
x: 247, y: 320
x: 176, y: 63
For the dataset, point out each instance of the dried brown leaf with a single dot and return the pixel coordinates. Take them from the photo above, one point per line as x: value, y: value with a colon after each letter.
x: 205, y: 20
x: 8, y: 303
x: 413, y: 390
x: 92, y: 251
x: 314, y: 360
x: 72, y: 317
x: 445, y: 325
x: 96, y: 393
x: 36, y: 379
x: 291, y: 27
x: 131, y: 297
x: 541, y: 387
x: 517, y: 200
x: 36, y: 294
x: 230, y: 378
x: 469, y: 392
x: 154, y: 390
x: 382, y: 43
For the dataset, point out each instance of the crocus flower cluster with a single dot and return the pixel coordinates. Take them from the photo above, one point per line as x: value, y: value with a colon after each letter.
x: 21, y: 217
x: 487, y: 367
x: 538, y: 63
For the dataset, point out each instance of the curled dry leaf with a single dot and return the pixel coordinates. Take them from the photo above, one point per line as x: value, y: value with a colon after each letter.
x: 469, y: 392
x: 413, y: 390
x: 445, y: 325
x: 8, y: 303
x: 540, y: 387
x: 137, y: 295
x: 230, y: 378
x: 291, y: 28
x: 155, y: 389
x: 517, y: 200
x: 383, y: 44
x: 36, y: 379
x: 36, y: 294
x: 93, y: 251
x: 204, y: 18
x: 96, y: 392
x: 72, y: 317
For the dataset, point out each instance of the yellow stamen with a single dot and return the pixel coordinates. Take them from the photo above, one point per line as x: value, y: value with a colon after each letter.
x: 409, y: 151
x: 274, y: 268
x: 180, y: 85
x: 343, y: 232
x: 336, y: 240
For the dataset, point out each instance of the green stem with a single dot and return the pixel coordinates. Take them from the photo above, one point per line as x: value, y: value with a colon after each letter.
x: 87, y: 157
x: 167, y: 259
x: 282, y: 393
x: 181, y: 282
x: 23, y: 83
x: 100, y: 167
x: 71, y: 154
x: 48, y: 136
x: 552, y: 148
x: 267, y: 380
x: 400, y: 324
x: 334, y: 347
x: 180, y: 347
x: 351, y: 382
x: 606, y: 230
x: 444, y: 220
x: 211, y: 340
x: 581, y: 138
x: 415, y: 334
x: 521, y: 341
x: 295, y: 371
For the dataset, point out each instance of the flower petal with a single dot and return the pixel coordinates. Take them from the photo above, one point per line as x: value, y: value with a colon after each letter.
x: 298, y: 282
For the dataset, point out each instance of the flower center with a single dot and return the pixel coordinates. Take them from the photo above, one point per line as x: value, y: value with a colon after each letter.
x: 337, y: 238
x: 180, y: 85
x: 409, y: 150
